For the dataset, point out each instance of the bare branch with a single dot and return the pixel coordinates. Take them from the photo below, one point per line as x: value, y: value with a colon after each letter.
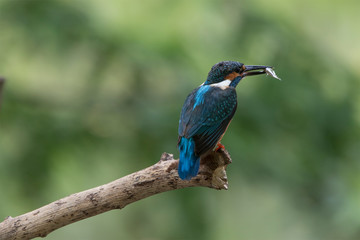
x: 160, y: 177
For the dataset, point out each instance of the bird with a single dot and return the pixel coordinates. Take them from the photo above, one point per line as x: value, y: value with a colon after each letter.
x: 207, y: 113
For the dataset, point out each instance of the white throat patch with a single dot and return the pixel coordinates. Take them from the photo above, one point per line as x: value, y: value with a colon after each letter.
x: 223, y: 84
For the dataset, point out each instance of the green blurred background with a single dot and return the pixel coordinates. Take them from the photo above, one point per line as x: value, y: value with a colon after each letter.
x: 95, y: 88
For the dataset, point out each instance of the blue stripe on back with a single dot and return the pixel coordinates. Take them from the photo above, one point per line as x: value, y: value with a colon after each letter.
x: 199, y: 98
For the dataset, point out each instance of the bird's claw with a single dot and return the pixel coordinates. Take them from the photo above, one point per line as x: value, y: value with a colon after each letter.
x: 219, y: 146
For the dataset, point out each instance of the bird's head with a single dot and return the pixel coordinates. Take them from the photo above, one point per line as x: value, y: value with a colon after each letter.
x: 233, y: 71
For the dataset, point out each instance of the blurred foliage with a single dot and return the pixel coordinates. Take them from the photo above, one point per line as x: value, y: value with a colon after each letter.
x: 94, y: 91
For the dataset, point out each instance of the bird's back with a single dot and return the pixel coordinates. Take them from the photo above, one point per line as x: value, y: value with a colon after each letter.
x: 206, y: 114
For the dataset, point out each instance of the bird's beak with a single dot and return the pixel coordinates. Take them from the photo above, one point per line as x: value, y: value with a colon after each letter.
x: 251, y: 70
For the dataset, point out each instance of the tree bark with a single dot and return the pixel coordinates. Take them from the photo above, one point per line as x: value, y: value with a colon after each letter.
x: 160, y: 177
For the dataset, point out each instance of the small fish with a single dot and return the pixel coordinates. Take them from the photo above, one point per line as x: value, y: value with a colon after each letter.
x: 271, y: 72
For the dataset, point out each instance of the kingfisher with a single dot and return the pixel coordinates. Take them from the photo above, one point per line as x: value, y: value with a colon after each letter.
x: 207, y: 113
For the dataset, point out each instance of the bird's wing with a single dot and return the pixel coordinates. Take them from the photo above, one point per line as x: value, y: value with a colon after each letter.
x: 187, y: 112
x: 208, y: 120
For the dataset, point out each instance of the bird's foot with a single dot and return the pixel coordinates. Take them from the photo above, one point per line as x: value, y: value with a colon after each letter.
x: 219, y: 146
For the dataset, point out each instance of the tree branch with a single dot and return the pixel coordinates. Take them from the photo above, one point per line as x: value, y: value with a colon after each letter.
x: 158, y: 178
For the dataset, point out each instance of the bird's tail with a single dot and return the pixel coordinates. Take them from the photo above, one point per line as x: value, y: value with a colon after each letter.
x: 189, y: 163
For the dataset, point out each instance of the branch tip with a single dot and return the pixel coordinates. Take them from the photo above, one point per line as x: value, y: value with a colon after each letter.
x: 166, y: 156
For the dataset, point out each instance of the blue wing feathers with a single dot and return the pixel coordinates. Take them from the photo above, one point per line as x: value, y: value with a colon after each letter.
x: 186, y: 112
